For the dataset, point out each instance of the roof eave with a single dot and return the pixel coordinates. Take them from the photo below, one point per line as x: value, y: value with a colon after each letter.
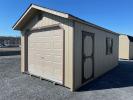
x: 91, y: 24
x: 32, y: 6
x: 57, y: 13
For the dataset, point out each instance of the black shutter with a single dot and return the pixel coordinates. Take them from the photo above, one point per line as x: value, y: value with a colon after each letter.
x: 111, y: 46
x: 106, y: 46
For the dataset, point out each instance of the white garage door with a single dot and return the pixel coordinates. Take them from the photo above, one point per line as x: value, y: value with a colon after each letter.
x: 45, y: 54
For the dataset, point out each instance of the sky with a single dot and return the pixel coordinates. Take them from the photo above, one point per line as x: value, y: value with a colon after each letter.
x: 115, y: 15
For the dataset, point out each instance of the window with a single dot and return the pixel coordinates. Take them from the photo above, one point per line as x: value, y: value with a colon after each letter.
x: 109, y: 46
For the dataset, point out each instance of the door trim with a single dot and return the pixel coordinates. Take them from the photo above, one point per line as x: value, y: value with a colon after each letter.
x: 92, y: 56
x: 54, y: 27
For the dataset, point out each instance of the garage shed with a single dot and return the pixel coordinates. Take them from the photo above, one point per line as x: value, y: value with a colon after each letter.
x: 65, y: 49
x: 125, y: 47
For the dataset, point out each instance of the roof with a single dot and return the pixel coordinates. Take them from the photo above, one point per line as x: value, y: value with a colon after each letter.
x: 35, y: 8
x: 129, y: 37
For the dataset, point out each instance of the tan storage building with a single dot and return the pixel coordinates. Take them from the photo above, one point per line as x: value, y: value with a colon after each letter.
x: 125, y: 47
x: 65, y: 49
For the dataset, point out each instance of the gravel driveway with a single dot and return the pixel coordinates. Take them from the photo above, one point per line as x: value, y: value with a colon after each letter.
x: 115, y: 85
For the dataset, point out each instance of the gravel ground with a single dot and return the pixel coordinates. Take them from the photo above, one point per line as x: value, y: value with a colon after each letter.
x: 115, y: 85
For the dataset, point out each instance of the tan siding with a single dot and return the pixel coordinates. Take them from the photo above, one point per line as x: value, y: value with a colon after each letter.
x: 131, y: 50
x: 50, y: 19
x: 102, y: 62
x: 24, y: 47
x: 22, y: 54
x: 123, y: 47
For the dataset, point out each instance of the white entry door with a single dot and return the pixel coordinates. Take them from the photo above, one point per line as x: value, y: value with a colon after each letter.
x: 45, y: 54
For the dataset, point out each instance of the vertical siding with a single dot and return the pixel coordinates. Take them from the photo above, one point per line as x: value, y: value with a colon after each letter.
x: 102, y: 62
x: 49, y: 19
x: 123, y: 47
x: 22, y: 54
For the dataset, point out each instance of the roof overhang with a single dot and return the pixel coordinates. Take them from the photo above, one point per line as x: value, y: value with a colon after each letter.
x: 91, y: 24
x: 33, y: 9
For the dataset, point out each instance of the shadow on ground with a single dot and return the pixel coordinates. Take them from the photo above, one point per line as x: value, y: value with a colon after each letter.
x: 121, y: 76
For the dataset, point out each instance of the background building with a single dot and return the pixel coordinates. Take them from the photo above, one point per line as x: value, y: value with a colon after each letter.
x: 125, y: 47
x: 9, y: 41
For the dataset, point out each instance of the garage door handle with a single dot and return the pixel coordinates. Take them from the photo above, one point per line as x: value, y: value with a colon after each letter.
x: 42, y: 57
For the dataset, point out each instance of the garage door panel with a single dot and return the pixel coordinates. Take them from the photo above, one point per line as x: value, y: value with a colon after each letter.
x: 34, y: 69
x: 57, y: 52
x: 47, y: 58
x: 58, y: 45
x: 45, y: 54
x: 57, y: 65
x: 57, y: 59
x: 38, y: 39
x: 55, y: 38
x: 45, y: 46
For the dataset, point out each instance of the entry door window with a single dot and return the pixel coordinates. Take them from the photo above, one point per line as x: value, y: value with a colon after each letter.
x: 88, y: 46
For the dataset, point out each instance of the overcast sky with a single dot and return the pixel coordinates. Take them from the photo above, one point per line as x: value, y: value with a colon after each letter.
x: 116, y: 15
